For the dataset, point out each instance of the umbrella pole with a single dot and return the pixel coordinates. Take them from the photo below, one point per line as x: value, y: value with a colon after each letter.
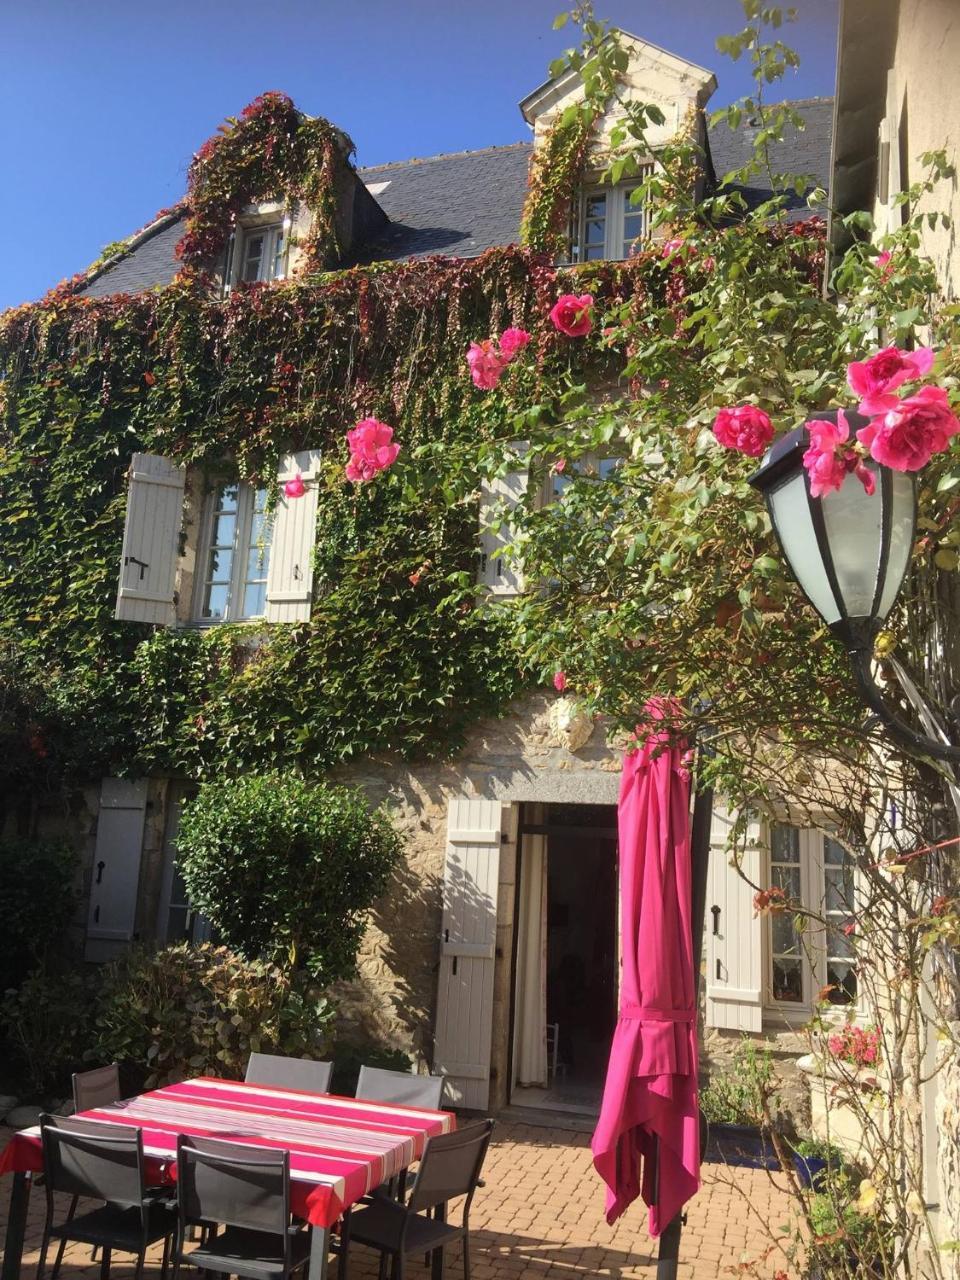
x: 669, y: 1252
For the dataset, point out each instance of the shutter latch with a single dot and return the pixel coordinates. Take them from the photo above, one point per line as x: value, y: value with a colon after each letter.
x: 134, y: 560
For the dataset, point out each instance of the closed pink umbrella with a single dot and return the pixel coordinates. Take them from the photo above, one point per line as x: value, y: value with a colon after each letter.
x: 647, y: 1139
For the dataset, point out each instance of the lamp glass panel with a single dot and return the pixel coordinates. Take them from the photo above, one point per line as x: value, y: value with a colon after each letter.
x: 901, y: 539
x: 853, y: 521
x: 794, y: 526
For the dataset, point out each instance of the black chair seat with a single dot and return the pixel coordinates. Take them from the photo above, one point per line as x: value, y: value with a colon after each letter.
x: 117, y: 1228
x: 238, y: 1251
x: 380, y: 1226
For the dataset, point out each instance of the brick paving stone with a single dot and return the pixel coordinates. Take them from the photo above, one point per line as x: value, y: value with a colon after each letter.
x: 540, y: 1217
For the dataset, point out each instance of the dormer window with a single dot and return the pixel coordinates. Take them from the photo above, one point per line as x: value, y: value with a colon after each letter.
x: 264, y: 253
x: 259, y: 248
x: 609, y: 224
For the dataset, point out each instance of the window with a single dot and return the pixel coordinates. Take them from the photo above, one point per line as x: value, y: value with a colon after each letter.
x: 257, y: 253
x: 820, y: 874
x: 234, y: 555
x: 609, y: 224
x: 590, y: 465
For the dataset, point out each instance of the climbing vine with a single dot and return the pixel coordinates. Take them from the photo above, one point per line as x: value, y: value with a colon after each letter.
x: 556, y: 168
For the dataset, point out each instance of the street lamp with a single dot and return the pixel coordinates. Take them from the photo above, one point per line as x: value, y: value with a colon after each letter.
x: 849, y: 552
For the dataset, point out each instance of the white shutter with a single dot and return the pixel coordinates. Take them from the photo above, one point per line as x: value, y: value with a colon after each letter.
x: 116, y: 867
x: 290, y: 573
x: 498, y: 498
x: 467, y: 950
x: 889, y: 177
x: 734, y: 931
x: 151, y: 537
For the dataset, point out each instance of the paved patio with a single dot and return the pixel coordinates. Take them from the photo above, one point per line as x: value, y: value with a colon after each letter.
x: 540, y: 1217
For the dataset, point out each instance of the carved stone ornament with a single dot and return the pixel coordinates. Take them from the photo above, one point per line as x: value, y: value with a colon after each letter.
x: 570, y: 723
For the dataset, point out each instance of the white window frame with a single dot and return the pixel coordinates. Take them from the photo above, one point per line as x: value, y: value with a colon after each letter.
x: 242, y: 544
x: 616, y: 247
x: 271, y: 221
x: 813, y: 942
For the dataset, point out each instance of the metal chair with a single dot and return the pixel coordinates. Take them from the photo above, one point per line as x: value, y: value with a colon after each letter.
x: 289, y: 1073
x: 102, y: 1162
x: 450, y: 1168
x: 96, y: 1088
x: 246, y: 1191
x: 400, y: 1087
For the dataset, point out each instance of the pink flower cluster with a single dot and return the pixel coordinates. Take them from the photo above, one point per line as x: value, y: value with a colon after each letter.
x: 855, y: 1044
x: 487, y: 360
x: 371, y: 449
x: 744, y: 428
x: 904, y: 432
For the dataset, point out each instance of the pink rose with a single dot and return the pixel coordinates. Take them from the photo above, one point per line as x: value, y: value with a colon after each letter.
x: 512, y: 342
x: 560, y: 681
x: 371, y: 449
x: 295, y: 488
x: 572, y: 314
x: 670, y: 247
x: 884, y: 264
x: 831, y: 457
x: 907, y: 435
x: 485, y: 365
x: 744, y: 428
x: 875, y: 380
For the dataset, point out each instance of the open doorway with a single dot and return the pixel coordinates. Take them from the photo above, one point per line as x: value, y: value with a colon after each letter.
x: 565, y: 955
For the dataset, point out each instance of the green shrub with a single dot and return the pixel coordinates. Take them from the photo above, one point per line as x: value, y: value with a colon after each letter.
x: 738, y: 1095
x: 39, y: 898
x: 201, y: 1010
x: 349, y: 1058
x: 286, y: 869
x: 47, y: 1025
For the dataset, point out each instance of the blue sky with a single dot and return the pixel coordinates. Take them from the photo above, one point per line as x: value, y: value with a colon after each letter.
x: 103, y: 103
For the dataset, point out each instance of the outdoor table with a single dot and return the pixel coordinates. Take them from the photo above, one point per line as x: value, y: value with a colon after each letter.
x: 340, y: 1148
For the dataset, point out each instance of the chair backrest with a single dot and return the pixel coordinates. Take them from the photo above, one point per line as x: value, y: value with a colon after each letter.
x: 96, y: 1088
x: 86, y: 1158
x: 451, y: 1166
x: 229, y: 1182
x: 400, y: 1087
x: 289, y: 1073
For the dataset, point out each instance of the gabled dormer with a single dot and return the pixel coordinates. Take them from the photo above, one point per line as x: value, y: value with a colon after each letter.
x: 604, y: 222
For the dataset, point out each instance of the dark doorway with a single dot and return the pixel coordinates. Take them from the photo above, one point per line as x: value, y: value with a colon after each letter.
x: 566, y: 967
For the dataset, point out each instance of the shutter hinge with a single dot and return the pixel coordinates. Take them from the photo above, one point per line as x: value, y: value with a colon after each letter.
x: 133, y: 560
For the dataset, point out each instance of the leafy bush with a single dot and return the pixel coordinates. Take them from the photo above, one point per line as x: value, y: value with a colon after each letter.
x: 201, y: 1010
x: 349, y: 1058
x: 39, y: 899
x: 286, y: 869
x: 738, y: 1096
x: 46, y: 1026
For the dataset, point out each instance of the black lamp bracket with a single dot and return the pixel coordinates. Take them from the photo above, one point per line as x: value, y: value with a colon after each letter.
x: 916, y: 743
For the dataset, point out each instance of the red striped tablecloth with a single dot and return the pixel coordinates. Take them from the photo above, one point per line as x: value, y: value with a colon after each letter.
x: 340, y: 1148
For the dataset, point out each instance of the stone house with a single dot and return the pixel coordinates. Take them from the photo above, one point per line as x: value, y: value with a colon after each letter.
x: 494, y: 956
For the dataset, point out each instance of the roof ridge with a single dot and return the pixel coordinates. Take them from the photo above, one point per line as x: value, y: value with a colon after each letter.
x: 445, y: 155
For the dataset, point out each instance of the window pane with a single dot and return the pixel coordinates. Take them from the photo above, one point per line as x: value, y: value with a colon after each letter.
x: 593, y: 253
x: 254, y: 599
x: 220, y: 561
x: 177, y: 928
x: 785, y: 940
x: 784, y: 843
x: 839, y: 891
x: 257, y: 560
x: 842, y: 980
x: 253, y: 257
x: 787, y: 981
x: 215, y: 600
x: 596, y: 206
x: 834, y: 853
x: 787, y: 879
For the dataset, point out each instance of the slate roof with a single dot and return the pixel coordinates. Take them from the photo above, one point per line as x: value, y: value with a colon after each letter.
x: 457, y: 204
x: 805, y: 151
x: 463, y: 203
x: 150, y: 264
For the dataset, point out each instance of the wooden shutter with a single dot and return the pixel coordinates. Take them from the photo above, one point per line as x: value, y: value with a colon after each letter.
x: 734, y: 931
x: 498, y: 498
x: 290, y: 573
x: 151, y: 541
x: 467, y: 950
x: 889, y: 176
x: 116, y: 867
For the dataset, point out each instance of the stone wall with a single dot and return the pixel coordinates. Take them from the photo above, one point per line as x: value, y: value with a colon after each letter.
x: 513, y: 760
